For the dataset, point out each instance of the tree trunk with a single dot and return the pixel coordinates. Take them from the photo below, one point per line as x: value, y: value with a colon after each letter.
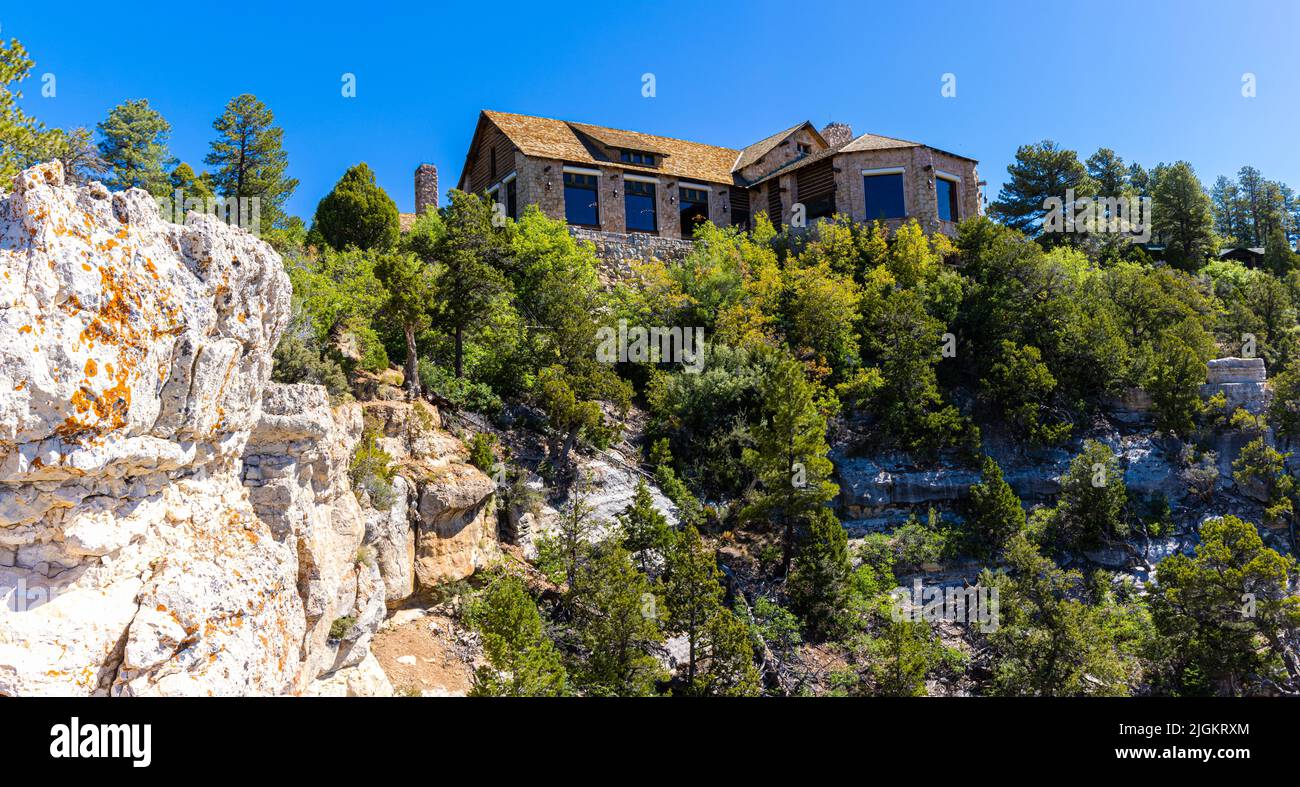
x: 460, y: 353
x: 569, y: 441
x: 787, y: 548
x: 412, y: 363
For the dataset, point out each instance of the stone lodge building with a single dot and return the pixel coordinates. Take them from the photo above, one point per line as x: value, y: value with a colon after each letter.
x: 625, y: 187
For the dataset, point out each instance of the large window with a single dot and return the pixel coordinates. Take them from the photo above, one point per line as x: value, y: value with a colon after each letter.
x: 639, y: 202
x: 512, y: 201
x: 884, y: 193
x: 581, y: 206
x: 695, y: 209
x: 945, y: 196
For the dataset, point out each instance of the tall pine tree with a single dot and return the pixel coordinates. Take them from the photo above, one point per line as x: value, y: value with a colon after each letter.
x: 249, y: 160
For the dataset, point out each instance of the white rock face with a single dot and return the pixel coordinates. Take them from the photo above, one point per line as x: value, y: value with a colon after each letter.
x: 1241, y: 380
x: 296, y: 469
x: 133, y: 357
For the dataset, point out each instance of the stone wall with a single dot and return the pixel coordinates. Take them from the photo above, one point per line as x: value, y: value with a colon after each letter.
x: 617, y: 251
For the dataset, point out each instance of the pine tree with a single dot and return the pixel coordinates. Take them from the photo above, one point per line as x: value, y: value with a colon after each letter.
x: 1227, y: 613
x: 646, y: 533
x: 1049, y: 640
x: 1279, y: 257
x: 818, y: 584
x: 789, y: 455
x: 522, y: 660
x: 995, y: 511
x: 190, y: 185
x: 249, y: 160
x: 471, y: 281
x: 576, y: 528
x: 1093, y: 495
x: 20, y: 133
x: 357, y: 212
x: 134, y: 146
x: 615, y: 614
x: 1107, y: 170
x: 1175, y: 385
x: 729, y: 669
x: 901, y: 656
x: 411, y: 287
x: 1182, y: 217
x: 693, y: 594
x: 1040, y: 172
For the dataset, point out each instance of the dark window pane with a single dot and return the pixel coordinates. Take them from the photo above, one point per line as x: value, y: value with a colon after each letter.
x: 884, y: 196
x: 945, y: 195
x: 580, y: 202
x: 820, y: 207
x: 695, y: 209
x: 639, y: 205
x: 512, y: 202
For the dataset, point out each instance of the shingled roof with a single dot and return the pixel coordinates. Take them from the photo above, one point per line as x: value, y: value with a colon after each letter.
x: 563, y: 140
x: 762, y: 147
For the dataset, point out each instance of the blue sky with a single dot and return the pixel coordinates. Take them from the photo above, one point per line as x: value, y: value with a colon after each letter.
x: 1160, y: 82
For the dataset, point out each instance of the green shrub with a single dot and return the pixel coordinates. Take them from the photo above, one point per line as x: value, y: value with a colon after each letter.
x: 480, y: 452
x: 917, y: 543
x: 372, y: 472
x: 341, y: 626
x: 463, y: 393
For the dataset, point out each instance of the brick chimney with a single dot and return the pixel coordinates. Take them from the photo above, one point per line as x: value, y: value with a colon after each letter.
x: 836, y: 133
x: 426, y: 188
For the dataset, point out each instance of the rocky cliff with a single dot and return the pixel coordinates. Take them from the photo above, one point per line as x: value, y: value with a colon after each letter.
x: 171, y: 522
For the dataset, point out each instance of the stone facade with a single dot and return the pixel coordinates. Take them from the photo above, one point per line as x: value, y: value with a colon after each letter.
x: 921, y: 166
x: 426, y: 188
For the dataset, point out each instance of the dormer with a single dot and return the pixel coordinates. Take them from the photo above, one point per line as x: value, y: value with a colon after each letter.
x: 640, y: 158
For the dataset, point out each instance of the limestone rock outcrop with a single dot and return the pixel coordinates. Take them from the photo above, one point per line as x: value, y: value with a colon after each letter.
x: 1242, y: 381
x: 296, y: 470
x: 440, y: 524
x: 170, y: 523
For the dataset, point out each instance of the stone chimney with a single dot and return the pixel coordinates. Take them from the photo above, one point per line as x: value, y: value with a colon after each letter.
x: 426, y: 188
x: 836, y: 133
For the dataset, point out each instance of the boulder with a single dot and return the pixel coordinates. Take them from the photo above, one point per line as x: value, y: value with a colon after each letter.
x: 133, y: 355
x: 456, y: 525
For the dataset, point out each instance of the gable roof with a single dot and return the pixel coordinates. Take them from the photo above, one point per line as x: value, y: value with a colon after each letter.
x: 857, y: 144
x: 764, y: 146
x: 798, y: 163
x: 567, y: 141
